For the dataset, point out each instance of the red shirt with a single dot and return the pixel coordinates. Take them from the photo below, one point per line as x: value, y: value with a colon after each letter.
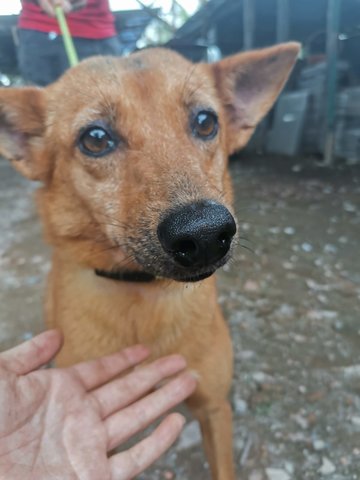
x: 94, y: 21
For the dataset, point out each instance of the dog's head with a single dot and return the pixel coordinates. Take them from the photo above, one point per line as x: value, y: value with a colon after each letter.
x: 132, y: 155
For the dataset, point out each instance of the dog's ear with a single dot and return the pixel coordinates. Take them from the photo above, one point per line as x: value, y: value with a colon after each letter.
x: 248, y: 84
x: 22, y: 124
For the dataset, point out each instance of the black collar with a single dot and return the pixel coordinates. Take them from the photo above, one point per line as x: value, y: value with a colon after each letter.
x: 126, y: 276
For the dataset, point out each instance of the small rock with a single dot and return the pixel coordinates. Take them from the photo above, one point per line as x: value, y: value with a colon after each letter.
x: 300, y: 420
x: 330, y: 248
x: 317, y: 287
x: 302, y: 389
x: 322, y: 298
x: 327, y: 467
x: 247, y: 355
x: 352, y: 371
x: 288, y: 265
x: 289, y: 467
x: 297, y: 168
x: 319, y: 445
x: 298, y: 338
x: 37, y: 259
x: 349, y: 207
x: 261, y: 378
x: 355, y: 421
x: 289, y: 230
x: 322, y: 314
x: 338, y: 325
x: 256, y: 475
x: 251, y: 286
x: 298, y: 437
x: 277, y: 474
x: 307, y: 247
x: 32, y: 280
x: 190, y: 436
x: 284, y: 312
x: 240, y: 406
x: 319, y: 262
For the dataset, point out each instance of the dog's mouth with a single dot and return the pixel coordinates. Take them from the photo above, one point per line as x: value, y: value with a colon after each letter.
x: 197, y: 278
x: 135, y: 276
x: 145, y: 277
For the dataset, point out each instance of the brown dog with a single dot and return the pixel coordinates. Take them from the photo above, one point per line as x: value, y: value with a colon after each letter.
x: 136, y: 202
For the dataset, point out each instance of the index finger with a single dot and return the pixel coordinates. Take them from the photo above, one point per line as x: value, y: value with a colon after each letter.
x: 96, y: 372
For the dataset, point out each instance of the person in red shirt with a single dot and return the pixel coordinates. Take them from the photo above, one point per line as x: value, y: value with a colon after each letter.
x: 41, y: 54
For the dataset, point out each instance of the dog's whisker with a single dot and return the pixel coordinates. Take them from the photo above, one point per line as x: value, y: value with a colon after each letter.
x: 246, y: 239
x: 189, y: 74
x: 247, y: 248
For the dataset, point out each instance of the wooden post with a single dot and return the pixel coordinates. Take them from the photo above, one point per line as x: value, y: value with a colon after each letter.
x: 332, y: 37
x: 248, y: 24
x: 282, y: 21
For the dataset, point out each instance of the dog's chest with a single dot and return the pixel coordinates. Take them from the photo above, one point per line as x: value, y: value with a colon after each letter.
x: 100, y: 316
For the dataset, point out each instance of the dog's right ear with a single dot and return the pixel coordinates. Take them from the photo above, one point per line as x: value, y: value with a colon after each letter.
x: 22, y: 125
x: 248, y: 84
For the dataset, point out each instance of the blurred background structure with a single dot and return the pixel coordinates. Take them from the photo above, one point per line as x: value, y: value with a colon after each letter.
x: 325, y: 85
x: 319, y: 113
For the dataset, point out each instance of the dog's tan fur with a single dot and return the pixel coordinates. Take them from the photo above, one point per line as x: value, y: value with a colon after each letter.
x: 103, y: 213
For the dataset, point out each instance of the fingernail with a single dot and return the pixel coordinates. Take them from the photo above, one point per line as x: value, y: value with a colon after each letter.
x: 182, y: 419
x: 180, y: 360
x: 196, y: 375
x: 141, y: 350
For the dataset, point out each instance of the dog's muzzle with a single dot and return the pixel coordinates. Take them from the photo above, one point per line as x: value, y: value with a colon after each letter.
x: 197, y: 235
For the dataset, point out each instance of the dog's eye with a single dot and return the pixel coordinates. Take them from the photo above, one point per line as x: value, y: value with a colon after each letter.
x: 96, y: 142
x: 205, y: 125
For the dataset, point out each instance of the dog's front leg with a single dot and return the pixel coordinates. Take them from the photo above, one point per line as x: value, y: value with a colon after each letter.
x: 209, y: 404
x: 216, y: 427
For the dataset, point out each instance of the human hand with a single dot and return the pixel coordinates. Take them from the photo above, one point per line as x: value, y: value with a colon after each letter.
x: 67, y: 5
x: 61, y: 423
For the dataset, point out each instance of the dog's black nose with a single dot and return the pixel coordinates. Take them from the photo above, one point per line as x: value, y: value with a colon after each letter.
x: 198, y: 234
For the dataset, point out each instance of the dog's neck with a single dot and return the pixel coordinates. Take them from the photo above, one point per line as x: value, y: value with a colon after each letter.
x: 126, y: 276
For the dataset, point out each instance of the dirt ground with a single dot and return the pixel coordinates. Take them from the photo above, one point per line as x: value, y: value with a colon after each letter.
x: 292, y: 299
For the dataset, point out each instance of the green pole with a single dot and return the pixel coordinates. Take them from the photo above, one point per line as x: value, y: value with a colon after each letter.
x: 66, y: 35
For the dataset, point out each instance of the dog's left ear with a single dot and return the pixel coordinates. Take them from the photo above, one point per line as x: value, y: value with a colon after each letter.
x: 22, y: 125
x: 248, y: 84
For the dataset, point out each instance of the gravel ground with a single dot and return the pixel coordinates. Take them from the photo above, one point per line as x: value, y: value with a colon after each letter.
x: 292, y: 299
